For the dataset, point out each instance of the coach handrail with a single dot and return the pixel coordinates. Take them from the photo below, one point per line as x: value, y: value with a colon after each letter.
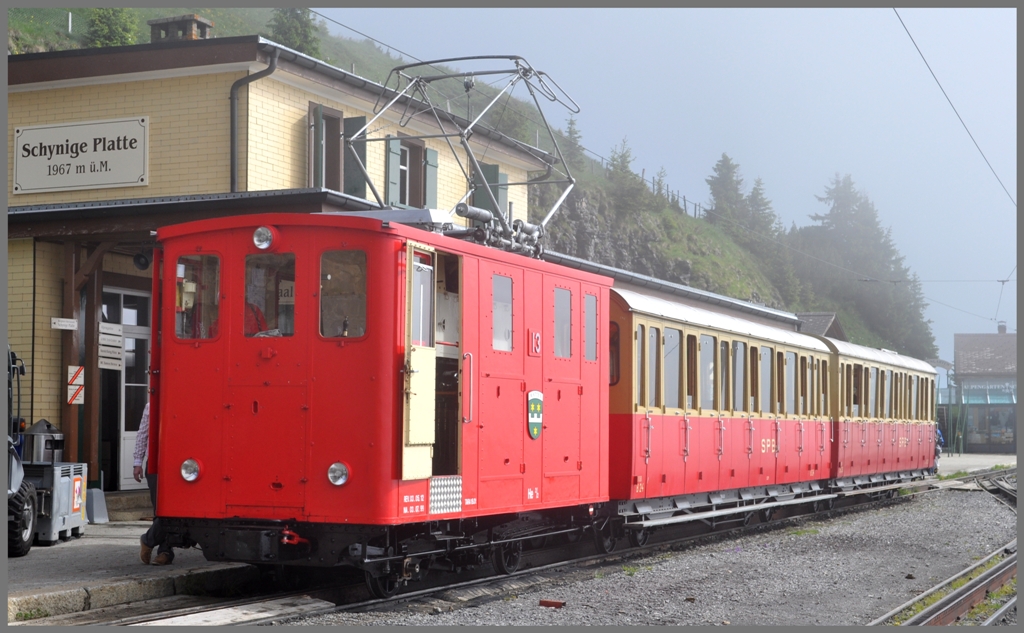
x: 468, y: 420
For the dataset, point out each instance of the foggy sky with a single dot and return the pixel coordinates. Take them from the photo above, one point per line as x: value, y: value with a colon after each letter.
x: 794, y: 96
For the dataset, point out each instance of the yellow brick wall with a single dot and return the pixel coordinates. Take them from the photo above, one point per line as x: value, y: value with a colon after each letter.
x: 123, y: 264
x: 49, y: 376
x: 20, y: 269
x: 36, y: 264
x: 189, y: 131
x: 278, y: 152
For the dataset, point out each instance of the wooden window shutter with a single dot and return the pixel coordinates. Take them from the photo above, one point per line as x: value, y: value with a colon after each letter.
x: 392, y: 165
x: 355, y: 182
x: 430, y: 179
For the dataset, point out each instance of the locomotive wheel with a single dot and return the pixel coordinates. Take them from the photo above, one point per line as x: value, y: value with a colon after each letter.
x: 639, y: 538
x: 508, y: 556
x: 604, y: 538
x: 766, y: 514
x: 382, y: 587
x: 21, y: 531
x: 573, y: 537
x: 538, y: 542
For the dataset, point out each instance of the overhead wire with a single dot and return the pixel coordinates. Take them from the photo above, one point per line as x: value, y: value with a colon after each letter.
x: 954, y: 107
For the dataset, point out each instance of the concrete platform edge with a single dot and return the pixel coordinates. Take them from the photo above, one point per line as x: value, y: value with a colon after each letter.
x: 72, y: 600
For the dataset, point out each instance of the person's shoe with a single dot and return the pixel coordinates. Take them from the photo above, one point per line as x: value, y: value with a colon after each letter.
x: 163, y: 558
x: 145, y: 552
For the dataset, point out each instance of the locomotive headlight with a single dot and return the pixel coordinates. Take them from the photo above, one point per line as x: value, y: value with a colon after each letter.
x: 263, y: 237
x: 190, y: 470
x: 337, y: 473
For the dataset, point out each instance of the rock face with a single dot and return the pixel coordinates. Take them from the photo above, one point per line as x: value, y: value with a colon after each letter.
x: 585, y: 228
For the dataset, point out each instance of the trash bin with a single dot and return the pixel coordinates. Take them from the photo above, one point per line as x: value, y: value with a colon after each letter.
x: 43, y: 444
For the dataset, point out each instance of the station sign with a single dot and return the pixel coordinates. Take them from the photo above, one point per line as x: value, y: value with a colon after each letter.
x: 111, y: 340
x: 81, y: 155
x: 111, y: 347
x: 63, y: 324
x: 111, y: 352
x: 110, y: 363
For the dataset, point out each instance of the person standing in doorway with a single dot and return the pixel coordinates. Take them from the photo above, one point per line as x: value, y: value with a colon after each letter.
x: 154, y: 537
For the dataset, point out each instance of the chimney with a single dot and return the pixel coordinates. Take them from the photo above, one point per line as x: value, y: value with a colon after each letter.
x: 1001, y: 327
x: 183, y: 27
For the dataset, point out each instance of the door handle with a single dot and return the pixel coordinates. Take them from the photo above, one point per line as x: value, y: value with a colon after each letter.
x: 468, y: 355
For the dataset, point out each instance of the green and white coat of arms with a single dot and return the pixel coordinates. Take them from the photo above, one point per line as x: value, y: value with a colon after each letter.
x: 535, y: 414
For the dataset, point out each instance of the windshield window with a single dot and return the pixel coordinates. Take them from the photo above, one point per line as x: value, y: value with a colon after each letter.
x: 197, y: 279
x: 269, y: 295
x: 343, y: 293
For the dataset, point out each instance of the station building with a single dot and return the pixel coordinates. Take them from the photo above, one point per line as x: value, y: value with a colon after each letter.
x: 105, y: 145
x: 985, y: 392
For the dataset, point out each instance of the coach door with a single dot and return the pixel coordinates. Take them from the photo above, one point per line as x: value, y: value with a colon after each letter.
x: 418, y: 426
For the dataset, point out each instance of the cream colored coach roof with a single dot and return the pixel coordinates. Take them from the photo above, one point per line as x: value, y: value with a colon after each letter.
x: 879, y: 356
x: 656, y: 306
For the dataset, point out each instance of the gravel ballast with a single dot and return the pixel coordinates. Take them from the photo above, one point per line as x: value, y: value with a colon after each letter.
x: 847, y: 570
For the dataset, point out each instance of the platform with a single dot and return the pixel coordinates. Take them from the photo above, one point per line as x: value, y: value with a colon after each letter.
x: 102, y: 568
x: 971, y: 462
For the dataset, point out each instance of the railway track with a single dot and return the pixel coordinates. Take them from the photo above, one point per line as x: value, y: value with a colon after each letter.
x: 284, y: 606
x: 950, y: 600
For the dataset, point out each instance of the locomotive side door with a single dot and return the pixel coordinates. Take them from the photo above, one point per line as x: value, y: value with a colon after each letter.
x: 418, y: 418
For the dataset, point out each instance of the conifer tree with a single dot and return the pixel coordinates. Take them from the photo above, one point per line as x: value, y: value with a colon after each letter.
x: 111, y: 26
x: 296, y: 29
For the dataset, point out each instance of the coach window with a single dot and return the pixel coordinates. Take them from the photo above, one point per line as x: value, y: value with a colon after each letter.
x: 812, y: 395
x: 197, y: 296
x: 563, y: 323
x: 886, y: 394
x: 802, y: 395
x: 671, y: 356
x: 590, y: 322
x: 739, y: 371
x: 640, y: 373
x: 723, y: 376
x: 707, y: 371
x: 343, y: 293
x: 269, y: 295
x: 766, y: 380
x: 823, y: 380
x: 872, y: 410
x: 613, y: 353
x: 790, y: 378
x: 501, y: 335
x: 858, y: 391
x: 913, y: 398
x: 691, y: 370
x: 653, y: 375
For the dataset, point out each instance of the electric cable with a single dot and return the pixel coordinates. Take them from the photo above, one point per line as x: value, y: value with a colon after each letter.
x: 954, y: 108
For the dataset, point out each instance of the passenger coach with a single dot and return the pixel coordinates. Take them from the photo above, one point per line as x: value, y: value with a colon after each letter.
x: 715, y: 418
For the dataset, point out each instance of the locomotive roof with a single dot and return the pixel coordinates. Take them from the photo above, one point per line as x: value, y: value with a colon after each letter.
x: 656, y: 306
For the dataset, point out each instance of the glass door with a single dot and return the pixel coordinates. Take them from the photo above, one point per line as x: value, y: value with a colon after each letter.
x: 126, y: 391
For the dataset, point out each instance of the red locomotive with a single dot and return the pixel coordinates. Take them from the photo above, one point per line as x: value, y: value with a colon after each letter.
x: 348, y: 390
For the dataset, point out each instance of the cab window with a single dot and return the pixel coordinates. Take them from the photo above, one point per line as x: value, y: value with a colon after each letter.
x: 269, y: 295
x: 343, y: 294
x: 196, y: 301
